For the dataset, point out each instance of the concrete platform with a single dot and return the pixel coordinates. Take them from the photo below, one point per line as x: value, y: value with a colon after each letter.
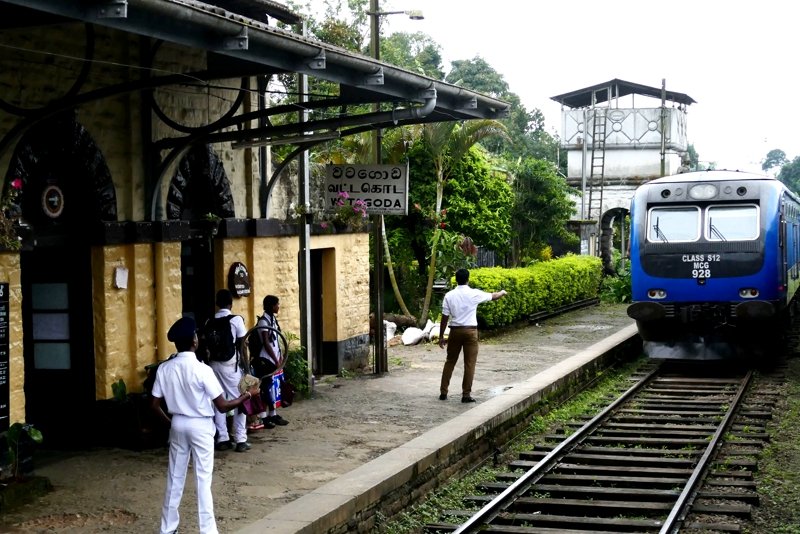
x: 340, y: 505
x: 359, y: 439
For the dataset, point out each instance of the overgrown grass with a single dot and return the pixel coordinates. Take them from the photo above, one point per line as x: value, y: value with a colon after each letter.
x: 778, y: 476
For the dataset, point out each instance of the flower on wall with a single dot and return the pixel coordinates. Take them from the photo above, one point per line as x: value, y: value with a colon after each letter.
x: 9, y: 216
x: 347, y: 213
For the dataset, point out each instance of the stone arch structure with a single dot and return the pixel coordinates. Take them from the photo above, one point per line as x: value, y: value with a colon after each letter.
x: 200, y: 186
x: 614, y: 215
x: 66, y: 181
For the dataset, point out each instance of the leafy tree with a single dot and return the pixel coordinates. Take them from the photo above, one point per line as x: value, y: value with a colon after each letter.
x: 417, y: 52
x: 478, y: 75
x: 694, y: 157
x: 526, y: 129
x: 790, y: 174
x: 479, y: 201
x: 541, y: 210
x: 775, y: 158
x: 447, y: 143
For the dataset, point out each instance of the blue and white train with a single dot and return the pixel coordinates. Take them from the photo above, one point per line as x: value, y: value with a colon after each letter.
x: 715, y: 264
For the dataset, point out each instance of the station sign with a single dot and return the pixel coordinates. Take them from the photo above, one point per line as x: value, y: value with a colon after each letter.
x: 382, y: 188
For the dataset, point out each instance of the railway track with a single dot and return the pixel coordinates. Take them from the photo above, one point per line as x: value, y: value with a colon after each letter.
x: 676, y: 452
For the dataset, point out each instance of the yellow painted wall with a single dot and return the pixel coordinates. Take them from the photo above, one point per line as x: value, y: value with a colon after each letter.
x: 10, y: 272
x: 345, y: 282
x: 131, y: 323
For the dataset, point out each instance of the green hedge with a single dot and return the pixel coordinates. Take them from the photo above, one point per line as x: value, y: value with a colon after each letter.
x: 542, y: 286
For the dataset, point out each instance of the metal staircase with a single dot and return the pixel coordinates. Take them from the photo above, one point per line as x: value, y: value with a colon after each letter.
x: 596, y: 179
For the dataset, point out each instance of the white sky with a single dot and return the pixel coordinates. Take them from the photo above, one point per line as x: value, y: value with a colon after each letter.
x: 735, y: 58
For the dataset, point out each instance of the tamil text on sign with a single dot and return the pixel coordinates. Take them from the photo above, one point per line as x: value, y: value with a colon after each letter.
x: 382, y: 188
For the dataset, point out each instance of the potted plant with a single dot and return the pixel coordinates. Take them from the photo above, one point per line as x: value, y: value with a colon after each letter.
x: 21, y: 439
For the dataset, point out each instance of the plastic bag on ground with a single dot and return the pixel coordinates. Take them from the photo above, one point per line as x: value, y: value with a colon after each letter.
x: 412, y: 336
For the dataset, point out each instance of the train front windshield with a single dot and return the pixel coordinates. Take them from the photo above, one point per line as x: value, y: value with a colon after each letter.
x: 714, y: 223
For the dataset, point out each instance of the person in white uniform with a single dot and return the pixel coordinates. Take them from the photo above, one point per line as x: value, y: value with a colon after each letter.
x: 229, y: 373
x: 459, y: 308
x: 191, y: 392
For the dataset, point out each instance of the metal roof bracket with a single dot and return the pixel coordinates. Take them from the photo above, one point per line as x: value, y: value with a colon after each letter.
x: 470, y: 103
x: 111, y: 9
x: 376, y: 78
x: 318, y: 62
x: 238, y: 42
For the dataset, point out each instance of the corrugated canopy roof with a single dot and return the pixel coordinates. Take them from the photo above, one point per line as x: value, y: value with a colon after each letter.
x: 619, y: 88
x: 265, y: 49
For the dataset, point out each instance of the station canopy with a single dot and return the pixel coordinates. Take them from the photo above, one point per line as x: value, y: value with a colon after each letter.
x: 241, y: 43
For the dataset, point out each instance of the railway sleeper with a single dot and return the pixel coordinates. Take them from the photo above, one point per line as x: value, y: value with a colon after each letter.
x: 632, y: 439
x: 712, y: 526
x: 750, y: 497
x: 737, y: 510
x: 635, y: 418
x: 564, y: 491
x: 600, y: 508
x: 747, y: 463
x: 671, y: 406
x: 584, y: 523
x: 636, y: 451
x: 619, y: 481
x: 647, y: 428
x: 613, y: 470
x: 727, y: 483
x: 618, y: 460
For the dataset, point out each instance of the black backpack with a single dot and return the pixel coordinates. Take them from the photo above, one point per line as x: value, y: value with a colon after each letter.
x: 218, y: 338
x: 254, y: 342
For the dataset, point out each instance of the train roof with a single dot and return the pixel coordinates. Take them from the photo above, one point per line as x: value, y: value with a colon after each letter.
x: 711, y: 176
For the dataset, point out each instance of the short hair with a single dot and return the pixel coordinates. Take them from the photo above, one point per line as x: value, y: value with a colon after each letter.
x: 269, y: 302
x: 224, y: 299
x: 462, y: 276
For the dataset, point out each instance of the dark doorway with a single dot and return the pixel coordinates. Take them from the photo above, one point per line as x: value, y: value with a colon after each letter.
x: 197, y: 278
x: 58, y: 343
x: 315, y: 343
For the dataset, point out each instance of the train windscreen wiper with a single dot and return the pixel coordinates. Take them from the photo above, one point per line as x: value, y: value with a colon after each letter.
x: 659, y: 233
x: 715, y: 231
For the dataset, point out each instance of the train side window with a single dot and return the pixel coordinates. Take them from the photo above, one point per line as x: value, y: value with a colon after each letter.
x: 732, y: 223
x: 673, y: 224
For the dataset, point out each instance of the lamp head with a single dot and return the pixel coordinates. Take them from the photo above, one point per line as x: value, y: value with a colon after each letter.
x: 415, y: 14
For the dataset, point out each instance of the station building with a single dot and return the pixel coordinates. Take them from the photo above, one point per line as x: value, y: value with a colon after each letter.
x: 138, y: 179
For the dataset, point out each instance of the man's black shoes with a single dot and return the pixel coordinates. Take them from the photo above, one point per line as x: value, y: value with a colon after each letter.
x: 467, y: 399
x: 223, y: 446
x: 443, y: 396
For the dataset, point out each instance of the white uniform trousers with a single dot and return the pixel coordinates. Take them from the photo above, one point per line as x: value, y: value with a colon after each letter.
x: 229, y: 374
x: 190, y: 436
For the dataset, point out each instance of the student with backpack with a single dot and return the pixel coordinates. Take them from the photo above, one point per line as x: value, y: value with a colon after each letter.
x: 224, y: 335
x: 267, y: 360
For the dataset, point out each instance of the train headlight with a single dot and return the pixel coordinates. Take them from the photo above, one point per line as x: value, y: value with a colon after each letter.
x: 748, y: 293
x: 656, y: 294
x: 703, y: 191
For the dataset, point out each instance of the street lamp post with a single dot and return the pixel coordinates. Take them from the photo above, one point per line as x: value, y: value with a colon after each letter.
x: 381, y: 358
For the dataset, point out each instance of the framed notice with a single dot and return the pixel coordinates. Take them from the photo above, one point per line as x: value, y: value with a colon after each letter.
x: 382, y: 188
x: 5, y: 390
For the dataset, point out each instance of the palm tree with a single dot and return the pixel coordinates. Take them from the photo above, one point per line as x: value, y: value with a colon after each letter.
x: 448, y: 143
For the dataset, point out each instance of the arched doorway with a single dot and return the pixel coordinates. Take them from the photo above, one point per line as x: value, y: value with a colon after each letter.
x: 613, y: 223
x: 67, y: 190
x: 199, y: 188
